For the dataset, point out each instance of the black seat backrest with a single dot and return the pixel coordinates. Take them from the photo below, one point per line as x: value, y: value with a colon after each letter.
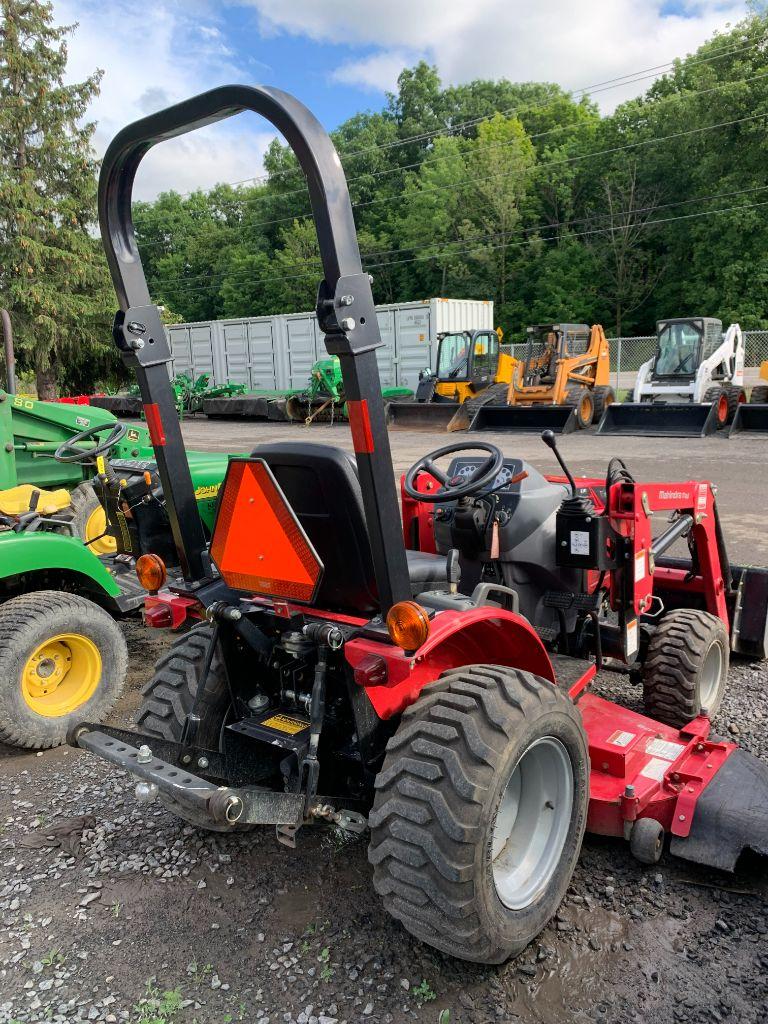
x: 322, y: 487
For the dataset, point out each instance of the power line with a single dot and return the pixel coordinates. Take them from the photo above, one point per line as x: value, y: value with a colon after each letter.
x: 551, y: 225
x: 605, y: 86
x: 519, y: 244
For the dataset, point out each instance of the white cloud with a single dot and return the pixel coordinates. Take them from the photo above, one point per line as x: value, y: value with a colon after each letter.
x: 376, y: 72
x: 549, y: 40
x: 154, y: 55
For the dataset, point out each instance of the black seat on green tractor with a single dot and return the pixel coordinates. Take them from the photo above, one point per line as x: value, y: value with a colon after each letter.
x: 321, y: 485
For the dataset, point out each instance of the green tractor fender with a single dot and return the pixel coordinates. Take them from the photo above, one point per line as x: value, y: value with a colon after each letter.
x: 54, y: 557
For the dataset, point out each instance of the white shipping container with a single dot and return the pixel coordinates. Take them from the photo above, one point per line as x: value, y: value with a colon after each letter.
x: 277, y: 352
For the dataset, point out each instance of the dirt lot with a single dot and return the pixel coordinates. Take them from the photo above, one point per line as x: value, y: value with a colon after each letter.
x: 115, y: 912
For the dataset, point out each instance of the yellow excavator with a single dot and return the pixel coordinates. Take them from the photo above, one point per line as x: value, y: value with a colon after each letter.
x: 471, y: 370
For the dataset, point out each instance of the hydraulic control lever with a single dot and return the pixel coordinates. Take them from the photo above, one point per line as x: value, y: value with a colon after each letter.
x: 548, y: 437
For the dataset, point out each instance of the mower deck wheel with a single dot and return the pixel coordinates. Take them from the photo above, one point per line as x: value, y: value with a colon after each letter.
x: 63, y: 661
x: 686, y: 668
x: 582, y: 400
x: 168, y: 699
x: 480, y: 811
x: 646, y: 841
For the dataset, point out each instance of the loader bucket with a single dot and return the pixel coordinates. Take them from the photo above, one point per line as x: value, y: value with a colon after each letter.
x: 251, y: 407
x: 118, y: 405
x: 534, y: 418
x: 421, y: 415
x: 643, y: 419
x: 750, y: 419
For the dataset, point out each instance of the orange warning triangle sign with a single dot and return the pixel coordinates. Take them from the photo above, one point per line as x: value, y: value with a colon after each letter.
x: 258, y: 543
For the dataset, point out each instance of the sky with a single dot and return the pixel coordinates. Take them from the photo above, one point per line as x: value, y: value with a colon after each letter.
x: 341, y: 56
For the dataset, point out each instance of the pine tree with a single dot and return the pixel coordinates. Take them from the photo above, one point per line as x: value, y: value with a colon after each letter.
x: 53, y: 275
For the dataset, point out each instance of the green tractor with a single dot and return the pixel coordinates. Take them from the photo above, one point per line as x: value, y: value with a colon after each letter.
x: 81, y: 501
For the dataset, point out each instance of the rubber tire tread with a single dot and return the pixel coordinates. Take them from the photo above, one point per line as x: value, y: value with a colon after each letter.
x: 671, y: 692
x: 572, y: 398
x: 436, y: 799
x: 25, y: 622
x: 759, y: 395
x: 600, y: 396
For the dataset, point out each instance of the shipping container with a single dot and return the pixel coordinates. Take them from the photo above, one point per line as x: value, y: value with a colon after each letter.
x: 277, y: 352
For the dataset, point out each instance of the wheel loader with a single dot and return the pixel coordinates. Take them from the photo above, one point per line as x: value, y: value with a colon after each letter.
x: 336, y: 675
x: 471, y: 370
x: 561, y: 384
x: 691, y: 386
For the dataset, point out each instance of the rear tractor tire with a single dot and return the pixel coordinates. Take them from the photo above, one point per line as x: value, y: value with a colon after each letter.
x: 603, y: 397
x: 582, y: 400
x: 89, y: 521
x: 480, y: 811
x: 63, y: 661
x: 168, y: 699
x: 686, y: 668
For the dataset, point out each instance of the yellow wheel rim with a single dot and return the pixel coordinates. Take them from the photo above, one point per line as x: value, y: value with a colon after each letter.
x: 95, y: 526
x: 61, y: 674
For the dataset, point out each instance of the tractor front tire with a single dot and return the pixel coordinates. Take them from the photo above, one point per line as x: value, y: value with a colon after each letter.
x: 63, y: 661
x: 168, y: 699
x: 480, y: 811
x: 603, y: 396
x: 582, y: 400
x: 686, y: 667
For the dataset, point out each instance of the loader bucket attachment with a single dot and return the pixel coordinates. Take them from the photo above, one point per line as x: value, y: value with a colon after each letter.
x: 421, y: 415
x: 731, y: 815
x: 750, y: 419
x: 118, y: 405
x: 250, y: 407
x: 643, y: 419
x: 533, y: 418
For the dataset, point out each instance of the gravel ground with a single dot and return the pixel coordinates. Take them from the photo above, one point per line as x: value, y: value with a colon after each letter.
x: 115, y: 912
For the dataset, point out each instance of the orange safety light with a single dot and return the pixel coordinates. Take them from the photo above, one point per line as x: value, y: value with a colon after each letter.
x: 407, y: 625
x: 151, y: 572
x: 258, y: 543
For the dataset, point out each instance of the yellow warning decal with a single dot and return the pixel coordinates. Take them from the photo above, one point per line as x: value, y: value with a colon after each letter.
x: 282, y: 723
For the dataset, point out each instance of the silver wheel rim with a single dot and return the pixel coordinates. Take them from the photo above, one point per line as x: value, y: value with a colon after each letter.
x: 532, y: 823
x: 711, y: 673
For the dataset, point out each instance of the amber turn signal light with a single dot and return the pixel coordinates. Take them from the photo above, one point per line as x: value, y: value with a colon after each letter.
x: 151, y: 572
x: 408, y: 625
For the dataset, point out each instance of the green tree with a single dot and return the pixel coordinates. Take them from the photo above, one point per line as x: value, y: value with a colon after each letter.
x: 52, y: 270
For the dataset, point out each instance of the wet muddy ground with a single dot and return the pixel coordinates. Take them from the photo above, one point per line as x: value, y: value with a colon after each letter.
x: 115, y: 912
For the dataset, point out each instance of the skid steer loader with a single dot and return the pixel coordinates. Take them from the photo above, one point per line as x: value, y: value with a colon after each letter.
x: 691, y: 386
x: 471, y: 370
x: 561, y: 384
x: 336, y: 675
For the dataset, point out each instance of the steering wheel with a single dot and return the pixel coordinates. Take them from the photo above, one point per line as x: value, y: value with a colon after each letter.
x: 455, y: 487
x: 68, y: 451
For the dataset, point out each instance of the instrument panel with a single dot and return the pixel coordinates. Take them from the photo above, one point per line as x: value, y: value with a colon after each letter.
x: 464, y: 468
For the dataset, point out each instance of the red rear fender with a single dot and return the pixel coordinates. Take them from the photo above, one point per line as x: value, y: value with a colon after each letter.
x: 489, y: 636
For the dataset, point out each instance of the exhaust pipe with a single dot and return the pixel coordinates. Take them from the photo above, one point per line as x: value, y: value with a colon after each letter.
x: 560, y: 419
x: 643, y: 419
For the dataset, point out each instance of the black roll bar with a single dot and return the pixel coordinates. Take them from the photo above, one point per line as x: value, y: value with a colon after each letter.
x: 345, y: 313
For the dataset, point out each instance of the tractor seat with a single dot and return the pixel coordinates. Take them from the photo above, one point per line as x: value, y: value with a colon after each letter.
x: 321, y: 485
x: 15, y: 501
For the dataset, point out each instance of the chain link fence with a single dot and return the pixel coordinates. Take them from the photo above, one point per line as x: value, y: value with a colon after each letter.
x: 629, y: 354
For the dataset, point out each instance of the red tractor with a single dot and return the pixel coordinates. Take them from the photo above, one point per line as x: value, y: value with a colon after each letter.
x: 434, y: 691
